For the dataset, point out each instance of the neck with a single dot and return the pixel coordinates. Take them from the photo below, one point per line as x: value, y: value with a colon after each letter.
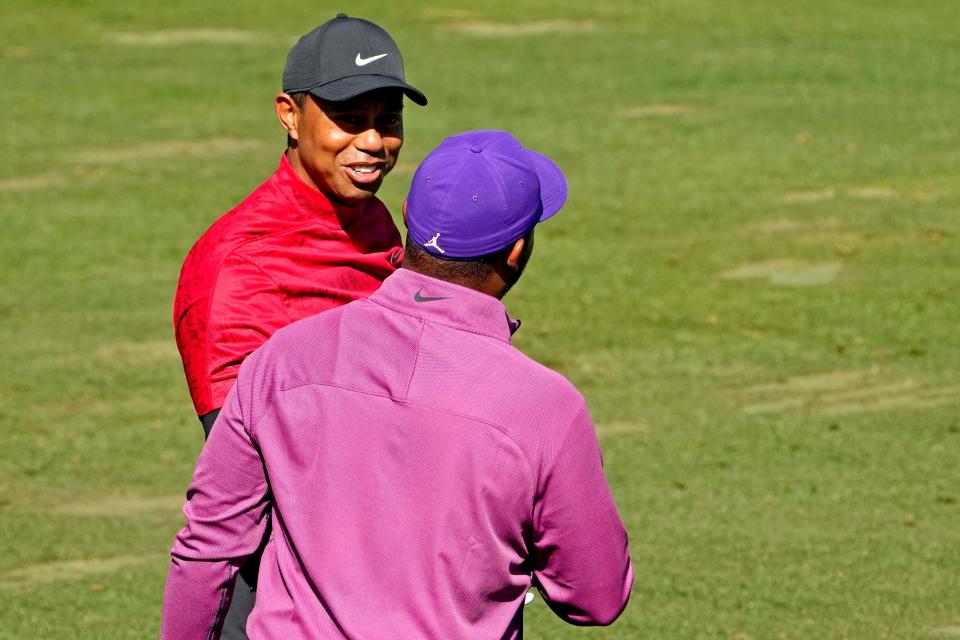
x: 492, y: 285
x: 294, y: 158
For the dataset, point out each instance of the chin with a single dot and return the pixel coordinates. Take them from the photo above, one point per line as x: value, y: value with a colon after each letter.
x: 356, y: 197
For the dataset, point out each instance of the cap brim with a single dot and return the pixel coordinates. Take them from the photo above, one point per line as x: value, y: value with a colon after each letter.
x: 353, y: 86
x: 553, y: 184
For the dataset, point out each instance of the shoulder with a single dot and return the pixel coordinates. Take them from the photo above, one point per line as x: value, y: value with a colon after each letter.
x: 508, y: 388
x: 291, y: 356
x: 222, y: 236
x: 294, y: 348
x: 547, y: 385
x: 214, y: 253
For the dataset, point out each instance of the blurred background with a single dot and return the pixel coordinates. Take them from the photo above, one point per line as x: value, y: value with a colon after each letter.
x: 754, y: 282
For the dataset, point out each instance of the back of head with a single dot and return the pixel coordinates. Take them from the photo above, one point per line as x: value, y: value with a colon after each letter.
x: 471, y: 201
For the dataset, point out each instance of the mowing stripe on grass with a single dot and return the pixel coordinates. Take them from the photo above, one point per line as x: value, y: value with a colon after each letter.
x: 36, y: 575
x: 816, y: 382
x: 921, y: 399
x: 170, y: 505
x: 31, y: 183
x: 169, y: 149
x: 647, y: 110
x: 802, y: 197
x: 857, y: 193
x: 786, y: 272
x: 846, y: 392
x: 139, y: 352
x: 626, y: 426
x: 872, y: 193
x: 513, y: 29
x: 168, y: 37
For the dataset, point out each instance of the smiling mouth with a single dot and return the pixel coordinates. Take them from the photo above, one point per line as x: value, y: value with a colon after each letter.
x: 365, y: 174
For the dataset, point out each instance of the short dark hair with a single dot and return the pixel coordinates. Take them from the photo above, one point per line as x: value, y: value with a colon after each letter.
x: 465, y: 271
x: 300, y: 99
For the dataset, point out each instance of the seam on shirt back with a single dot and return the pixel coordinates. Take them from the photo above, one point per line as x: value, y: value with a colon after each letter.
x: 272, y: 404
x: 416, y: 360
x: 433, y: 320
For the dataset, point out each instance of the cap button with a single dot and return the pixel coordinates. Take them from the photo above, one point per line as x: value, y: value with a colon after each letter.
x: 476, y: 148
x: 341, y: 15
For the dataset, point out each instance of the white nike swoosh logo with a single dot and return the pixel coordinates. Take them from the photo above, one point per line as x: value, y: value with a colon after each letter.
x: 365, y: 61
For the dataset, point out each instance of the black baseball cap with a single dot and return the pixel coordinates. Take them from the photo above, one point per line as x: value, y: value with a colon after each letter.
x: 343, y: 58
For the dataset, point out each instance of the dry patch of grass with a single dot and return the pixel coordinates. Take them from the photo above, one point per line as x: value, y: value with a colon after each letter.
x: 801, y: 197
x: 36, y: 575
x: 515, y: 29
x: 786, y: 272
x: 859, y: 193
x: 139, y: 352
x: 872, y: 193
x: 653, y: 110
x: 112, y: 506
x: 168, y: 37
x: 32, y: 183
x: 845, y: 392
x: 623, y: 426
x: 17, y: 53
x: 169, y: 149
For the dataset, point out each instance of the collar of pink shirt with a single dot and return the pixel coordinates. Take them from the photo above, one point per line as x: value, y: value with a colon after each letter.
x: 445, y: 303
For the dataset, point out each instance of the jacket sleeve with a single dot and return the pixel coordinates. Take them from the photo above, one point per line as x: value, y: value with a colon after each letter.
x: 581, y: 559
x: 247, y: 308
x: 226, y: 511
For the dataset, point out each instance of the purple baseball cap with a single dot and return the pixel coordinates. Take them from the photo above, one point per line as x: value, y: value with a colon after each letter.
x: 479, y: 191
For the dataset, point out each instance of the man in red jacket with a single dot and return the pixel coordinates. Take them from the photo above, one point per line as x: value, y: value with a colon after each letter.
x: 314, y: 235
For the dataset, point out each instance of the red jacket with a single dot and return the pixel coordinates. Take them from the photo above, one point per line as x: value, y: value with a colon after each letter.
x: 284, y: 253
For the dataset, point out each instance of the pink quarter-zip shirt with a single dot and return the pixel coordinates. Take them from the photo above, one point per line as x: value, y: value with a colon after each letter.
x: 421, y: 475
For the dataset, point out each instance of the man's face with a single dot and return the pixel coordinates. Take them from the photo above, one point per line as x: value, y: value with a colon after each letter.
x: 346, y: 148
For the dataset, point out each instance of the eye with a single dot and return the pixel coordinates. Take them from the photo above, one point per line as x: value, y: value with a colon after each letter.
x: 391, y: 120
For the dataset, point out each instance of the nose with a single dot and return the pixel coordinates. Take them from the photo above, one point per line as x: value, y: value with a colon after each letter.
x: 370, y: 141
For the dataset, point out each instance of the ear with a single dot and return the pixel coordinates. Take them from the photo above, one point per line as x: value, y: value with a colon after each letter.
x: 287, y: 113
x: 404, y: 209
x: 514, y: 254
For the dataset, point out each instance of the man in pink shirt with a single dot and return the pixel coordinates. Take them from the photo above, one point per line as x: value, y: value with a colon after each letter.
x: 422, y: 474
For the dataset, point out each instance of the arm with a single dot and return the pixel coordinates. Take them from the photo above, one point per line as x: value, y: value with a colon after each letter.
x: 581, y: 558
x: 247, y: 307
x: 226, y: 510
x: 220, y: 319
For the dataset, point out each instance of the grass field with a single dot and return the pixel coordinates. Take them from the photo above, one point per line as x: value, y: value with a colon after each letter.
x: 753, y: 284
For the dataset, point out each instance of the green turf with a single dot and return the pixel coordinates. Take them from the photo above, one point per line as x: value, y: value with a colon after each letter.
x: 754, y: 282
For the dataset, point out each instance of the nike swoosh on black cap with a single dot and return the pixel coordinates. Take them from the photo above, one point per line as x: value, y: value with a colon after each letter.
x: 345, y: 57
